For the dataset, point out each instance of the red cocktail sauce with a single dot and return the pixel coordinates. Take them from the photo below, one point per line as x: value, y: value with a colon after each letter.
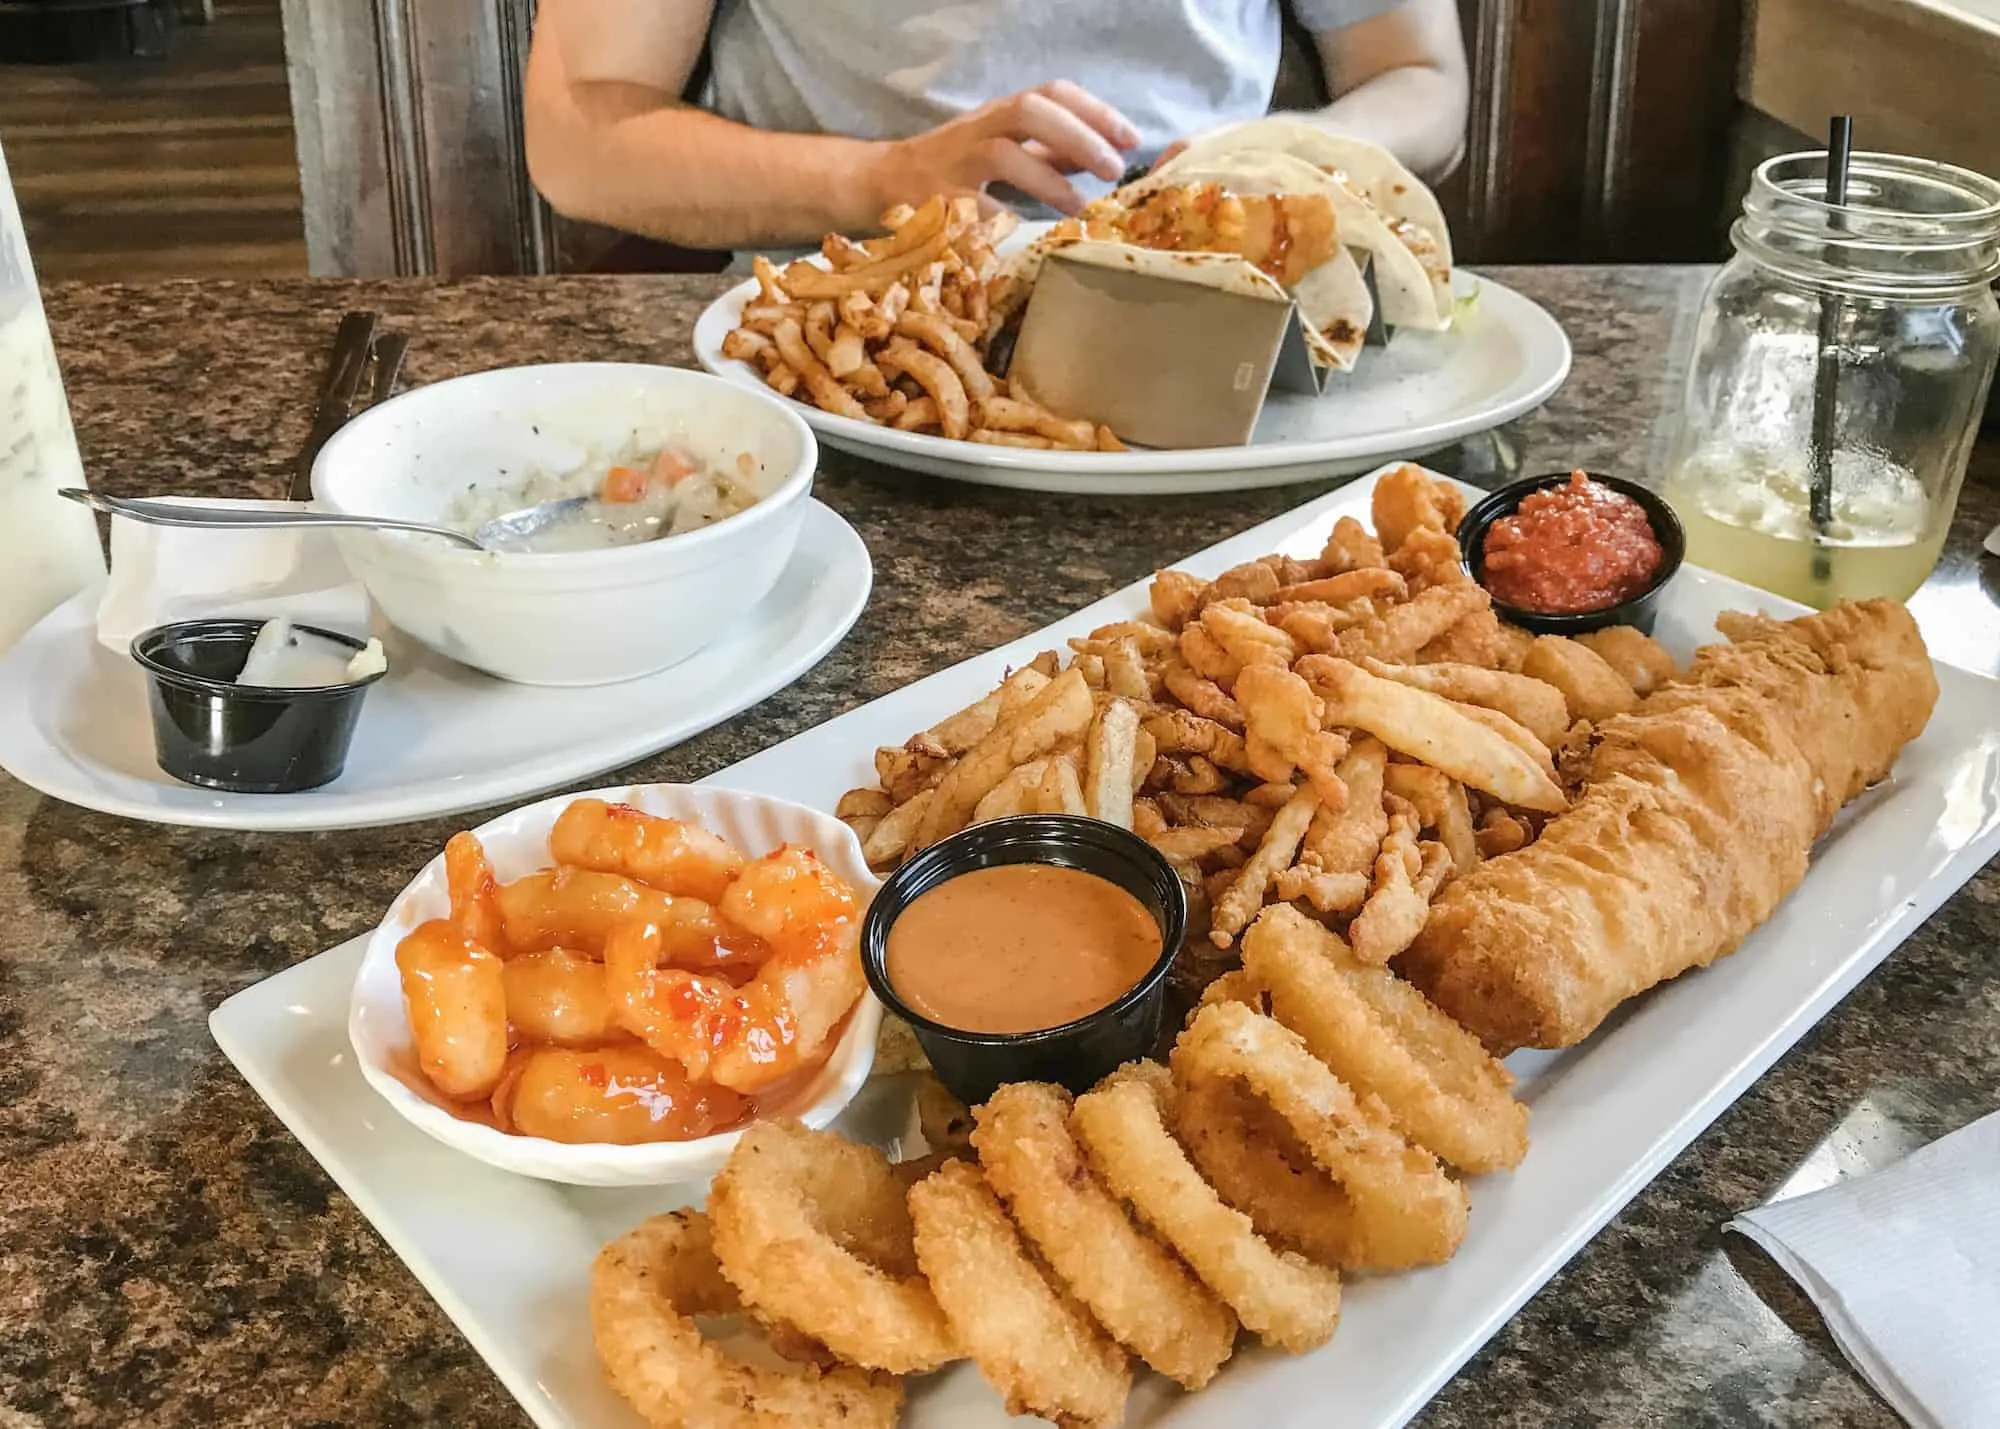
x: 1570, y: 549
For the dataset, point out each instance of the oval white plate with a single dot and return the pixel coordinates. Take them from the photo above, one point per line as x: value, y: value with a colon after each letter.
x: 1424, y: 391
x: 435, y: 737
x: 518, y: 844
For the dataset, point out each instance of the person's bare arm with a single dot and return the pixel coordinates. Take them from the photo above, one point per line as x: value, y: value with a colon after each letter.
x: 1399, y: 80
x: 609, y: 140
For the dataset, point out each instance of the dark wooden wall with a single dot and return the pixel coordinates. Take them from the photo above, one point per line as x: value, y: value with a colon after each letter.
x: 1600, y: 130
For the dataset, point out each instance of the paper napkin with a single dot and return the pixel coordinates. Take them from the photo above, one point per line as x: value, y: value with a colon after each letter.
x: 164, y: 573
x: 1904, y: 1265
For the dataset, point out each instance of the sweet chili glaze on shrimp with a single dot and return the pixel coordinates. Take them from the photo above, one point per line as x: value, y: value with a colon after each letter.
x: 750, y: 1037
x: 666, y: 854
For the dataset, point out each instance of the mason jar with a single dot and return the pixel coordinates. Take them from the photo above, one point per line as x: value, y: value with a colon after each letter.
x: 1866, y: 331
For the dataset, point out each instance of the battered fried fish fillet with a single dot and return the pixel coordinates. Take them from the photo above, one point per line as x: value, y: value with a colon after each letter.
x: 1697, y: 814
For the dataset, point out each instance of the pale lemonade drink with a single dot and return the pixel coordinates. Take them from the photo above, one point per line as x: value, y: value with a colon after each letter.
x: 1750, y: 518
x: 48, y: 546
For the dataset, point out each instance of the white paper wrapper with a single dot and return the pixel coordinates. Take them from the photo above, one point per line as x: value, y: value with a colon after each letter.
x: 166, y: 573
x: 1904, y: 1265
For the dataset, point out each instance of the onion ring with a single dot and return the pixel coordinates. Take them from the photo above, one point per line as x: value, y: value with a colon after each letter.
x: 1137, y: 1290
x: 1280, y: 1296
x: 1254, y: 1161
x: 645, y: 1286
x: 1033, y: 1344
x: 1407, y: 1211
x: 812, y: 1230
x: 1378, y: 1034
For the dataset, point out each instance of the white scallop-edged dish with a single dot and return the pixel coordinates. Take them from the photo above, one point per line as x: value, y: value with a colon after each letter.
x: 518, y: 844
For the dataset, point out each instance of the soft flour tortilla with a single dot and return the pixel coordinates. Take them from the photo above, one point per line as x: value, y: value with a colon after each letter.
x: 1367, y: 170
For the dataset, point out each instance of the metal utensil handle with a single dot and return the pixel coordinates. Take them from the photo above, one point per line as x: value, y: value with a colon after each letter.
x: 175, y: 513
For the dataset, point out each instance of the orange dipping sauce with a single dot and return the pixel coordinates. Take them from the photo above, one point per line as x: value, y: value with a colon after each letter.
x: 1019, y: 948
x: 1571, y: 549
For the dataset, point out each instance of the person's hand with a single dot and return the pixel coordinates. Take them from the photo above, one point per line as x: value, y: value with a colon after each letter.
x: 1028, y: 141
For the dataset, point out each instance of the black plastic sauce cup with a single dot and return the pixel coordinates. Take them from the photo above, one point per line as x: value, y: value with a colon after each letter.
x: 1638, y: 611
x: 247, y: 739
x: 1077, y: 1054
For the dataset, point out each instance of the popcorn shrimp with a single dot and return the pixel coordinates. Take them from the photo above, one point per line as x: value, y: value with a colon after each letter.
x: 665, y: 853
x: 748, y: 1038
x: 559, y: 997
x: 624, y: 1095
x: 475, y: 903
x: 457, y: 1001
x: 576, y: 908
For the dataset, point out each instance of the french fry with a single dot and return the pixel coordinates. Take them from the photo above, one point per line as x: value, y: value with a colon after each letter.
x: 1061, y: 711
x: 1125, y: 671
x: 809, y: 280
x: 1011, y: 414
x: 766, y: 316
x: 1537, y: 706
x: 847, y: 353
x: 1107, y: 440
x: 769, y: 289
x: 1021, y: 688
x: 1145, y: 749
x: 1092, y: 666
x: 867, y: 380
x: 904, y: 773
x: 863, y: 804
x: 1010, y: 439
x: 1275, y: 852
x: 1018, y: 792
x: 936, y: 377
x: 895, y: 216
x: 1146, y: 819
x: 1109, y: 752
x: 890, y: 840
x: 827, y: 393
x: 943, y: 340
x: 818, y: 327
x: 745, y: 345
x: 1061, y: 790
x: 783, y: 380
x: 889, y: 408
x: 922, y: 412
x: 1433, y: 730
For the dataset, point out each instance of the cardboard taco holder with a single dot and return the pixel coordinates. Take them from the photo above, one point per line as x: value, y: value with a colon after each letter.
x: 1163, y: 363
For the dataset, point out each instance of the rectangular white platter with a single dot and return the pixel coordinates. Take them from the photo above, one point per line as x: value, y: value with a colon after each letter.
x: 509, y: 1258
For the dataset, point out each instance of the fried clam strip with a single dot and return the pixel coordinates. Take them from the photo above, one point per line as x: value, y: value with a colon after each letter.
x: 812, y: 1231
x: 1402, y: 630
x: 1279, y: 1296
x: 1280, y: 845
x: 1441, y: 804
x: 645, y: 1289
x: 1034, y: 1345
x: 1137, y: 1290
x: 1407, y: 876
x: 1282, y: 732
x: 1346, y: 840
x: 1407, y: 500
x: 1380, y: 1036
x: 1432, y: 730
x: 1407, y: 1211
x: 1535, y: 705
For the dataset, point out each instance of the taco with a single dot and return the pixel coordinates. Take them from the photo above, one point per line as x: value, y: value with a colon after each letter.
x: 1406, y: 206
x: 1250, y: 237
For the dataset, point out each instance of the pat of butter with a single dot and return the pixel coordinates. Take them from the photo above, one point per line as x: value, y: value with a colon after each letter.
x: 283, y: 657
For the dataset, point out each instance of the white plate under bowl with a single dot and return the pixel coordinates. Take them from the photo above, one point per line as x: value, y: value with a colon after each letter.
x: 1425, y: 390
x: 435, y: 736
x: 518, y: 844
x: 509, y: 1258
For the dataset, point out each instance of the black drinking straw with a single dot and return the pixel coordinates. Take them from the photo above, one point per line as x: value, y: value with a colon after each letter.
x: 1826, y: 378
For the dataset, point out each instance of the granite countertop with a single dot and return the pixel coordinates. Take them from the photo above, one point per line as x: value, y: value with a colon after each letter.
x: 173, y: 1257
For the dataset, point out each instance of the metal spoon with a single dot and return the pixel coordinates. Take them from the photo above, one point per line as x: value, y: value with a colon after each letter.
x: 507, y: 532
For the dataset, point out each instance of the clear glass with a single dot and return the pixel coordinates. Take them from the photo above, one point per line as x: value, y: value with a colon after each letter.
x: 48, y: 546
x: 1897, y: 285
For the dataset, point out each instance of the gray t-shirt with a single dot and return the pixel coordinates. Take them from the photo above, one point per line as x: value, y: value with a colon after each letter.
x: 886, y: 69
